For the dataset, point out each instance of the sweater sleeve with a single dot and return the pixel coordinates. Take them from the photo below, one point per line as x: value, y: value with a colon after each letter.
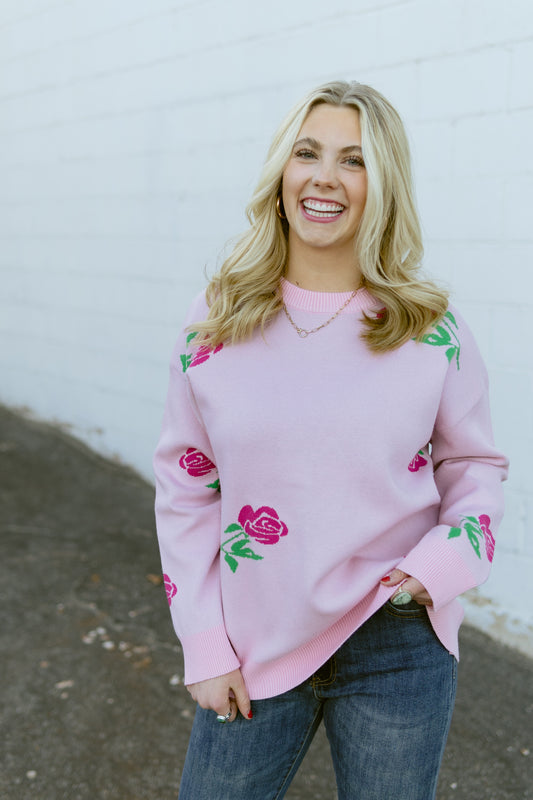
x: 187, y: 509
x: 457, y: 553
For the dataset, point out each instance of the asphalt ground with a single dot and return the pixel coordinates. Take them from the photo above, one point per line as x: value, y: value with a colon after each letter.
x: 92, y: 700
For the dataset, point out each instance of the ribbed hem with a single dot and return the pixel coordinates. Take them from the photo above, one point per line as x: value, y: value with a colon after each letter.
x: 209, y: 654
x: 276, y: 677
x: 446, y: 623
x: 326, y: 302
x: 269, y: 680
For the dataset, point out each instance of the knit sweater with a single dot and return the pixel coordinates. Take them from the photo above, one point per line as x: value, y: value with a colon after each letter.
x: 294, y: 473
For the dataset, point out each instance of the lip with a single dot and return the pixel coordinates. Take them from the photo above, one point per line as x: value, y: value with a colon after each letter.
x: 318, y: 209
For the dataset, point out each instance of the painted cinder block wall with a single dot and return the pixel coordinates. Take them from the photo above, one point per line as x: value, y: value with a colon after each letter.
x: 131, y: 135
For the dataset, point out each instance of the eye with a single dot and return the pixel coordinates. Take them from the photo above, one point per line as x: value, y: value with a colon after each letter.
x: 354, y: 161
x: 305, y: 154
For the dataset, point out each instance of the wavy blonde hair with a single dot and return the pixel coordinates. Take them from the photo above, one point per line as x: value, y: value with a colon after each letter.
x: 244, y: 294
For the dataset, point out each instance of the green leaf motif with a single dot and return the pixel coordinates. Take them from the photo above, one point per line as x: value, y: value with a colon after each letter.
x: 472, y: 528
x: 444, y: 335
x: 233, y: 527
x: 474, y: 541
x: 233, y: 563
x: 438, y: 339
x: 450, y: 353
x: 240, y: 548
x: 451, y: 317
x: 215, y: 485
x: 474, y: 533
x: 186, y: 358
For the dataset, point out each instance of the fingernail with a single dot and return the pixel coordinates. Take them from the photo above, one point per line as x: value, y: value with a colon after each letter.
x: 250, y: 715
x: 386, y: 579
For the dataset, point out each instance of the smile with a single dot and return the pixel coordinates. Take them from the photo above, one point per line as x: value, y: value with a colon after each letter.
x: 320, y: 209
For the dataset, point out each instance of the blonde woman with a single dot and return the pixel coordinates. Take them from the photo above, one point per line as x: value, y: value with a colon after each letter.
x: 327, y: 481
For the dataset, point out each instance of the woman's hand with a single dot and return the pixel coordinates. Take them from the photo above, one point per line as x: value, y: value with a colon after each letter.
x: 411, y: 585
x: 224, y: 694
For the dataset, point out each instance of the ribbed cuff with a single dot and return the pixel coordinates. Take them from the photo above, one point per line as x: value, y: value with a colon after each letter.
x: 435, y: 562
x: 207, y: 655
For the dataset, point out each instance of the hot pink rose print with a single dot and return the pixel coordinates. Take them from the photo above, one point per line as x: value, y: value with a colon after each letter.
x: 484, y: 522
x: 417, y: 462
x: 203, y: 353
x: 195, y: 463
x: 264, y: 525
x: 170, y: 588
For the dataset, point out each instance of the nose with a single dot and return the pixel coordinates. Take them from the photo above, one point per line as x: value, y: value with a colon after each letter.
x: 325, y: 173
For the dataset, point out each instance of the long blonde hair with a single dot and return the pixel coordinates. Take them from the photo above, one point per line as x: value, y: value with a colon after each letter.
x: 244, y: 294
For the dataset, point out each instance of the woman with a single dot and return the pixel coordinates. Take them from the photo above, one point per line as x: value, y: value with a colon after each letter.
x: 327, y: 483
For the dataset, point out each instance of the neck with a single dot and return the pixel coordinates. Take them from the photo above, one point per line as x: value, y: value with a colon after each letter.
x: 323, y: 271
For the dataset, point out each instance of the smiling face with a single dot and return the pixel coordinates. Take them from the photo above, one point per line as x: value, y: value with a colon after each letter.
x: 325, y: 183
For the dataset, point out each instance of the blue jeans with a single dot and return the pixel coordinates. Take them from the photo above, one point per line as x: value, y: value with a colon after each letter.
x: 386, y: 698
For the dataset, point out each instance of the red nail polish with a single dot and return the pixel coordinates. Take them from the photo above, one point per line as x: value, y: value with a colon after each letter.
x: 250, y: 715
x: 386, y: 579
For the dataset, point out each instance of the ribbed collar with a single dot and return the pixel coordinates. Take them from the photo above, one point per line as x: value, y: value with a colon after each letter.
x: 327, y: 302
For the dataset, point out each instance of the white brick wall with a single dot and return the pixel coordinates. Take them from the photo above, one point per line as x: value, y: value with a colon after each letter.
x: 131, y: 135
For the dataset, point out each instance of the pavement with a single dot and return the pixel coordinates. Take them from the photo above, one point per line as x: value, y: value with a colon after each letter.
x: 92, y: 698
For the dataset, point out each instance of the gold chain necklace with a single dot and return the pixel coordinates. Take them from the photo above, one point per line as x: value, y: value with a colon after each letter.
x: 303, y: 333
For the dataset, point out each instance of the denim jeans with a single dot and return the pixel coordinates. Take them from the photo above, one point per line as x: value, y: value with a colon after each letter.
x: 386, y: 699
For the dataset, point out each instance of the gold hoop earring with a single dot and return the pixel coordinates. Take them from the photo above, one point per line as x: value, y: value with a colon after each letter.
x: 279, y: 212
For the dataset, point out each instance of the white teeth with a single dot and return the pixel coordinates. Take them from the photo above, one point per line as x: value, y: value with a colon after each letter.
x: 322, y: 214
x: 315, y: 205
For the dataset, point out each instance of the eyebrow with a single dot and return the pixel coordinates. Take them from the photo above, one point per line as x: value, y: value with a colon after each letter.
x: 308, y: 140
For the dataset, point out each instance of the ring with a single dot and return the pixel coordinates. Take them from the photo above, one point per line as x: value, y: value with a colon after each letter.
x: 222, y: 718
x: 402, y: 598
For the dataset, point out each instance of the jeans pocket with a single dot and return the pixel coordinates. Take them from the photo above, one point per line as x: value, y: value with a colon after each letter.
x: 412, y: 610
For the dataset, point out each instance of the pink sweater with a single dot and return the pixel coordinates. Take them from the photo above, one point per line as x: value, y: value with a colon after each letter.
x: 294, y: 473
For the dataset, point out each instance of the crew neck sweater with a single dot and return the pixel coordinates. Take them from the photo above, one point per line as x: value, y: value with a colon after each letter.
x: 293, y: 473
